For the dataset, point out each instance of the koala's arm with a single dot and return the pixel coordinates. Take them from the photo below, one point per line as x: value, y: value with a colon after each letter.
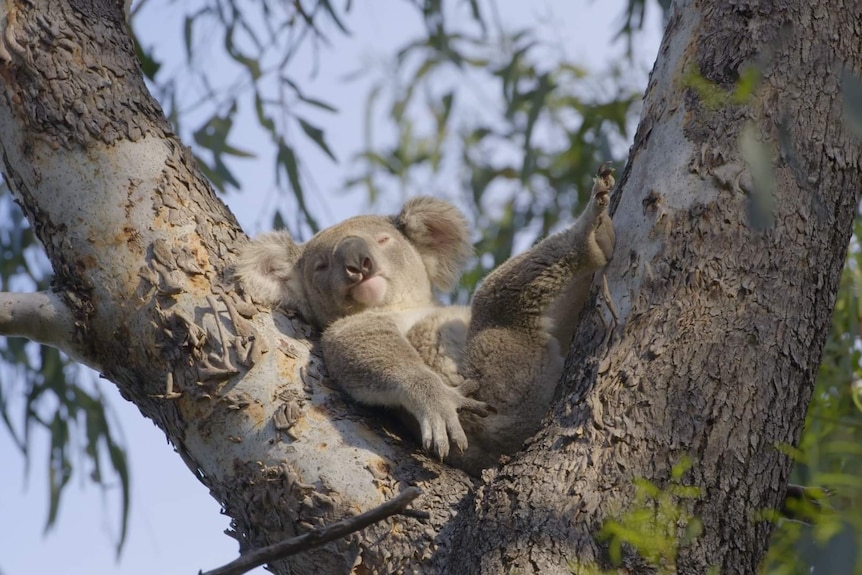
x: 376, y: 365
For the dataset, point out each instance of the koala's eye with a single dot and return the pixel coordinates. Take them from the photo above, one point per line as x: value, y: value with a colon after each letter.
x: 383, y: 239
x: 321, y: 265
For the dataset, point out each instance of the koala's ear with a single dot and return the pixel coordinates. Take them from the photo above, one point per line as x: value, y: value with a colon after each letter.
x: 266, y: 269
x: 440, y: 233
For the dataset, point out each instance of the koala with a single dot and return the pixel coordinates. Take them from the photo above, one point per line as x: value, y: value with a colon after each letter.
x: 479, y: 377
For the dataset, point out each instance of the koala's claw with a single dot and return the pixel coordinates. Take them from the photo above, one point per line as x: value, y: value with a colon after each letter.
x: 438, y: 430
x: 468, y: 387
x: 465, y: 403
x: 457, y: 435
x: 439, y: 425
x: 434, y: 438
x: 480, y: 408
x: 602, y: 185
x: 605, y: 170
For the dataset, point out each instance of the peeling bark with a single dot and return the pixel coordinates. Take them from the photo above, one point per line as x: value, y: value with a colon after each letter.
x: 141, y: 249
x: 721, y: 323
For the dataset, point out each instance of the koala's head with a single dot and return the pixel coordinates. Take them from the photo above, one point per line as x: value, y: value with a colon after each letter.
x: 366, y: 262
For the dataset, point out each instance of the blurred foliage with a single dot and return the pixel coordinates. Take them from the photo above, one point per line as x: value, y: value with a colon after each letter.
x: 252, y: 74
x: 485, y: 110
x: 657, y: 523
x: 41, y: 389
x: 827, y: 537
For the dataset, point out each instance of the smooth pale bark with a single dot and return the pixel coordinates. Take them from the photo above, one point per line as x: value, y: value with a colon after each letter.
x: 42, y: 317
x: 720, y: 333
x: 141, y: 249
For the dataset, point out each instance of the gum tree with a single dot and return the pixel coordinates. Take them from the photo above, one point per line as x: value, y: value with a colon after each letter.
x: 732, y: 216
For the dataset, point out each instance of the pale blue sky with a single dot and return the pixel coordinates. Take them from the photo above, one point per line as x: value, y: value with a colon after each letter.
x: 175, y: 526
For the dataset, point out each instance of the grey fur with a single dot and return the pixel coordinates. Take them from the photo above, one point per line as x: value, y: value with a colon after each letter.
x: 367, y: 284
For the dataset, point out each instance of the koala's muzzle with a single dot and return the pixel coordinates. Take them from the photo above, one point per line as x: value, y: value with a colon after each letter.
x: 353, y: 255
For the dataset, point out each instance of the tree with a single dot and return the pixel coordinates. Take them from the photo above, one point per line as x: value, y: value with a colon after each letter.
x: 723, y: 282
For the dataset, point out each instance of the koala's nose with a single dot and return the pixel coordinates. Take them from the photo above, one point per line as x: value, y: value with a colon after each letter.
x: 353, y: 255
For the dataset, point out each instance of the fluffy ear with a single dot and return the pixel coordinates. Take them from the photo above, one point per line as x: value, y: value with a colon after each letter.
x: 440, y: 233
x: 266, y: 270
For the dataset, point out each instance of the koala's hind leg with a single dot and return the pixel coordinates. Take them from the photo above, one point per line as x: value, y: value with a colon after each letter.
x: 519, y: 292
x: 523, y: 314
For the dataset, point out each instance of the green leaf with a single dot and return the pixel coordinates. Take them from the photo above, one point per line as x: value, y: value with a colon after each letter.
x: 477, y: 14
x: 218, y: 175
x: 681, y: 467
x: 749, y: 81
x: 213, y: 136
x: 233, y: 151
x: 287, y: 160
x: 120, y: 465
x: 328, y: 7
x: 264, y: 120
x: 252, y: 65
x: 59, y: 466
x: 278, y: 222
x: 188, y: 31
x: 149, y: 65
x: 302, y: 97
x: 317, y: 103
x: 831, y: 480
x: 316, y: 134
x: 223, y: 173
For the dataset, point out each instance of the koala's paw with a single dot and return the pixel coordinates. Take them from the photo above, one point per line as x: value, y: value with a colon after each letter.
x: 439, y: 424
x: 603, y: 183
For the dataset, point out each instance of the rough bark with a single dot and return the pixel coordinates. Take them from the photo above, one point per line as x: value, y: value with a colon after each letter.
x: 720, y: 330
x: 722, y: 324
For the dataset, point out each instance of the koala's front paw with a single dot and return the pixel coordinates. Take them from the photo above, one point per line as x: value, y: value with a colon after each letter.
x: 439, y: 423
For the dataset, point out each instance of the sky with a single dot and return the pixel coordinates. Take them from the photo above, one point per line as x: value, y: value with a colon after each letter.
x: 175, y: 526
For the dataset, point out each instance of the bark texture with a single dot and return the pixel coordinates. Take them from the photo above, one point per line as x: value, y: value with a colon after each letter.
x: 722, y: 313
x: 141, y: 250
x: 725, y: 291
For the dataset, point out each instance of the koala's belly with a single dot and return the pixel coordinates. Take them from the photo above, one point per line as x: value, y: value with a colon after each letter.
x: 440, y: 337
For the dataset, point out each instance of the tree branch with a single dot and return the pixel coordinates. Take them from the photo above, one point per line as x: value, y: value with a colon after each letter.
x: 317, y: 537
x: 41, y: 317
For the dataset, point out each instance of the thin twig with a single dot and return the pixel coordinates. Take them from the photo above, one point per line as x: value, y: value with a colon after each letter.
x: 316, y: 537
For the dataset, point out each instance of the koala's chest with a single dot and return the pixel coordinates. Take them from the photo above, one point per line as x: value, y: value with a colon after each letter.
x: 439, y: 335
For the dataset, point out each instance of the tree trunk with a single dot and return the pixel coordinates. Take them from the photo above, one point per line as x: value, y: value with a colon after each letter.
x: 724, y: 306
x: 724, y: 290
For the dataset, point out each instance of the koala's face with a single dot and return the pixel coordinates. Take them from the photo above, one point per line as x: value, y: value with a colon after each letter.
x: 362, y: 263
x: 366, y: 262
